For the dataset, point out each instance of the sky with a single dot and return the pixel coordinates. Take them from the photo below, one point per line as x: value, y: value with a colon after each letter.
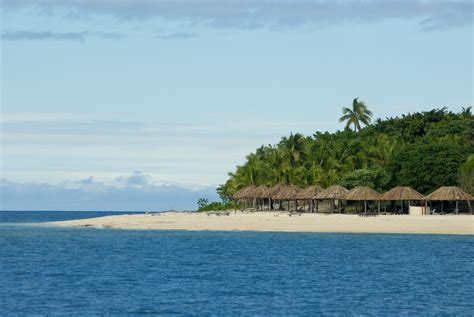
x: 147, y: 105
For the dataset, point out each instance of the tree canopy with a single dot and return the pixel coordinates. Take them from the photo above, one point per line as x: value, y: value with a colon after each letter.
x: 424, y: 150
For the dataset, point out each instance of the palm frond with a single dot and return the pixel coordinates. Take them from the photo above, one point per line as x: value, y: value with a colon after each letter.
x: 344, y: 118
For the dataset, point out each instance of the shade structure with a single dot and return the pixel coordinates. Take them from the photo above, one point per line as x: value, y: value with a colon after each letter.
x: 310, y: 192
x: 274, y: 191
x: 244, y: 192
x: 402, y: 193
x: 362, y: 193
x: 258, y: 195
x: 287, y: 192
x: 449, y: 193
x: 332, y: 192
x: 258, y: 192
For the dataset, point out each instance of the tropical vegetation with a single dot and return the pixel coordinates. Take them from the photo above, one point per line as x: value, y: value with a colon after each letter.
x: 424, y: 150
x: 357, y: 115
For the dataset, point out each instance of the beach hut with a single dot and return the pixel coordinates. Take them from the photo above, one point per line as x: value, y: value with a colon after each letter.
x: 403, y: 193
x: 363, y: 193
x: 332, y: 193
x: 244, y: 194
x: 288, y: 192
x: 240, y: 193
x: 258, y: 194
x: 450, y: 193
x: 272, y: 192
x: 308, y: 194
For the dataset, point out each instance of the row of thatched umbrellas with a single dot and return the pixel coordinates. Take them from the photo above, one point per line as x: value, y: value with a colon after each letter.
x: 336, y: 192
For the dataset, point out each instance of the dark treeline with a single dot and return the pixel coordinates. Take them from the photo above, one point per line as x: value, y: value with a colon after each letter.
x: 423, y: 150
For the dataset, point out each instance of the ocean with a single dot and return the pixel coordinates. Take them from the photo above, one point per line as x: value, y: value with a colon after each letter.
x: 49, y: 271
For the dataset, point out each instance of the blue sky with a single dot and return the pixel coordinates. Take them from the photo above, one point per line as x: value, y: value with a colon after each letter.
x: 176, y: 93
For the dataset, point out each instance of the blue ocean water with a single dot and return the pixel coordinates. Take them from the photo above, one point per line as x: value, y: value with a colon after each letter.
x: 84, y: 272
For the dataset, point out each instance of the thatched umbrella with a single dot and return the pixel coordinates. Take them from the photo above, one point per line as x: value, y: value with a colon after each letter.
x: 402, y: 193
x: 450, y: 193
x: 289, y: 192
x: 272, y: 192
x: 362, y: 193
x: 309, y: 193
x: 258, y: 193
x: 244, y: 194
x: 332, y: 193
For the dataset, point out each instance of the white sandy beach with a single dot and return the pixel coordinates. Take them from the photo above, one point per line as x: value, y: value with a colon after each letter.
x: 283, y: 222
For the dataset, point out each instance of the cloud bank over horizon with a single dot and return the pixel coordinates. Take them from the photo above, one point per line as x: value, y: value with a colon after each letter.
x: 136, y: 192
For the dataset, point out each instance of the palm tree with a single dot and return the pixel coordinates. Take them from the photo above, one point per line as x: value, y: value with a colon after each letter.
x: 466, y: 112
x: 357, y: 115
x: 293, y: 148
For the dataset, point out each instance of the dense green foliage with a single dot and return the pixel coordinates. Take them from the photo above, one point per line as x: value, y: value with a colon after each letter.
x: 466, y: 175
x: 375, y: 178
x: 427, y: 166
x: 215, y: 206
x: 423, y: 150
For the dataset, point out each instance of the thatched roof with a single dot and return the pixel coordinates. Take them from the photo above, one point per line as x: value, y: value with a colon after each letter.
x: 244, y: 192
x: 285, y: 192
x: 449, y: 193
x: 402, y: 193
x: 362, y: 193
x: 310, y: 192
x: 332, y: 192
x: 271, y: 192
x: 258, y: 192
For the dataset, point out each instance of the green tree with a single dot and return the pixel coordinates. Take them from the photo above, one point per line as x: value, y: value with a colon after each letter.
x: 357, y: 115
x: 202, y: 202
x: 426, y: 167
x: 466, y: 112
x: 466, y: 175
x: 293, y: 148
x: 373, y: 178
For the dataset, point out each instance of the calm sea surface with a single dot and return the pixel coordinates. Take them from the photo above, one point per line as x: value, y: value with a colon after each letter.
x: 62, y: 271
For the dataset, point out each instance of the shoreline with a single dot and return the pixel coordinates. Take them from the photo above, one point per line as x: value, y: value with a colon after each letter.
x: 281, y: 222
